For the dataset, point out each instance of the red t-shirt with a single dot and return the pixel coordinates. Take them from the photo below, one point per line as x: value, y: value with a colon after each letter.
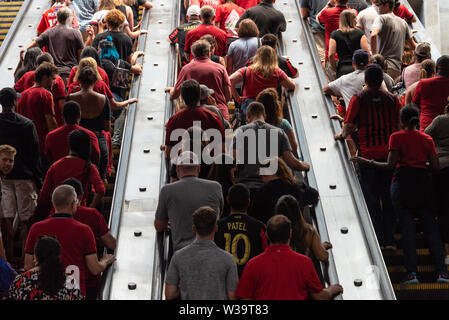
x: 376, y: 121
x: 211, y: 74
x: 70, y: 168
x: 96, y: 222
x: 50, y: 19
x: 227, y: 15
x: 102, y: 73
x: 58, y: 91
x: 35, y: 104
x: 403, y: 12
x: 219, y: 35
x: 331, y: 19
x: 76, y: 239
x: 415, y: 148
x: 246, y: 4
x: 431, y: 96
x: 213, y: 3
x: 99, y: 86
x: 278, y: 274
x: 255, y: 82
x: 57, y: 145
x: 184, y: 118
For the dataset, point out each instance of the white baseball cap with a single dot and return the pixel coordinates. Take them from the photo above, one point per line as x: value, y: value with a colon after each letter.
x: 193, y: 10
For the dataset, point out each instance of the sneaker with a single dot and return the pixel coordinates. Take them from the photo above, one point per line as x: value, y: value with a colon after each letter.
x: 443, y: 277
x: 390, y: 248
x: 410, y: 278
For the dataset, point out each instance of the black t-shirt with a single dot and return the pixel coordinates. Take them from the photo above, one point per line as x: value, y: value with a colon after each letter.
x: 268, y: 195
x: 358, y: 5
x: 242, y: 236
x: 347, y: 43
x: 122, y: 43
x: 179, y: 36
x: 267, y: 19
x: 20, y: 133
x: 135, y: 8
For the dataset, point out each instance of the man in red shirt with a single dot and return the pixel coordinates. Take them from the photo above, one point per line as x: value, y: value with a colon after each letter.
x: 226, y: 17
x: 99, y: 227
x: 211, y: 74
x: 330, y: 17
x: 431, y: 94
x: 56, y: 142
x: 246, y: 4
x: 280, y: 273
x: 375, y: 112
x: 207, y: 16
x: 57, y: 90
x: 190, y: 91
x: 201, y: 3
x: 49, y: 18
x: 37, y: 103
x: 401, y: 11
x: 78, y: 248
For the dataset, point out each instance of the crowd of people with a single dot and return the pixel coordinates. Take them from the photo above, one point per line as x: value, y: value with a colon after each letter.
x: 56, y: 144
x: 239, y: 223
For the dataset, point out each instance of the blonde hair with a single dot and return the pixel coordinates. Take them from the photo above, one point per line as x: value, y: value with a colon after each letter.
x: 428, y: 69
x: 108, y: 4
x: 347, y: 21
x: 5, y: 148
x: 265, y: 61
x: 87, y: 62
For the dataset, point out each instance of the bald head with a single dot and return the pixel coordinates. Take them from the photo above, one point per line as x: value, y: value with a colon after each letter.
x: 63, y: 199
x: 63, y: 14
x: 279, y: 229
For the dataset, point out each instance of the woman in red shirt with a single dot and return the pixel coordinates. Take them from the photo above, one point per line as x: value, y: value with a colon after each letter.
x: 76, y: 165
x: 409, y: 152
x: 262, y: 74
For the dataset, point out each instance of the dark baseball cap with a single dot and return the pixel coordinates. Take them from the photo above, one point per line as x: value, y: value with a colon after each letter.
x: 374, y: 75
x: 360, y: 58
x: 8, y: 96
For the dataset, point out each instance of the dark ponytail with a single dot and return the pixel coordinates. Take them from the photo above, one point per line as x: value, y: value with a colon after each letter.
x: 52, y: 274
x: 79, y: 142
x: 289, y: 207
x: 410, y: 116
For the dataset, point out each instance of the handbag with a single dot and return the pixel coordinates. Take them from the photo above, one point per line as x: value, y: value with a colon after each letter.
x: 238, y: 118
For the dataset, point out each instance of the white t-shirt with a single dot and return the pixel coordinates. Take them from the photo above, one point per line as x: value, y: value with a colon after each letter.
x: 349, y: 85
x: 99, y: 15
x: 365, y: 20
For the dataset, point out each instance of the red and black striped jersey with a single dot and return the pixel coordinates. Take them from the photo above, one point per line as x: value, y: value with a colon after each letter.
x: 376, y: 114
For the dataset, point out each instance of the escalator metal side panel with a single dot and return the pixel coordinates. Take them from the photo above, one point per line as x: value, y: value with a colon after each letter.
x: 421, y: 35
x: 133, y: 209
x: 356, y: 254
x: 19, y: 37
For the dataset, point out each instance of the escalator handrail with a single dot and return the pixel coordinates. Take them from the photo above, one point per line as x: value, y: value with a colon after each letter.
x: 14, y: 26
x: 362, y: 210
x: 122, y: 168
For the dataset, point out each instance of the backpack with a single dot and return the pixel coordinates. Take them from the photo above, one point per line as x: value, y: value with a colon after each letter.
x: 116, y: 67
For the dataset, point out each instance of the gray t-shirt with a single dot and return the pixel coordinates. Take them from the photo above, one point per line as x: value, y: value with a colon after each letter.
x: 246, y: 142
x: 203, y: 271
x: 439, y: 131
x: 241, y: 50
x: 314, y: 7
x: 393, y: 32
x: 178, y: 201
x: 63, y: 44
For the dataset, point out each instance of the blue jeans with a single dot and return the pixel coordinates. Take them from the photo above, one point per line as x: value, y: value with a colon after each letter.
x: 375, y: 185
x: 408, y: 230
x: 119, y: 124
